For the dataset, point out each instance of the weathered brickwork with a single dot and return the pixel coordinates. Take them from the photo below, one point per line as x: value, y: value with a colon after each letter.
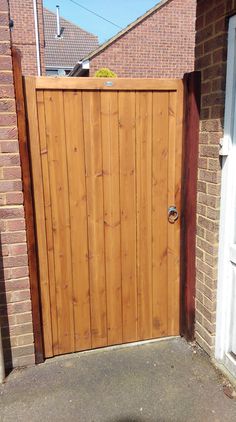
x: 15, y: 303
x: 23, y: 33
x: 211, y: 56
x: 161, y: 46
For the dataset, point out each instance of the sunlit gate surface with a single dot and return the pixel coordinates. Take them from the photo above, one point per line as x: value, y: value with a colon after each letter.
x: 106, y: 162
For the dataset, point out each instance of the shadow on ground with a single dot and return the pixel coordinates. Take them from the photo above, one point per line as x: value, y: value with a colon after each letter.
x: 163, y: 381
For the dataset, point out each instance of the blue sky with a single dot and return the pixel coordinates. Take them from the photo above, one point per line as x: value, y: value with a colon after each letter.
x: 121, y: 12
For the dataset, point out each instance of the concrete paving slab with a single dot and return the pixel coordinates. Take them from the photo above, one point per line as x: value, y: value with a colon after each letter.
x: 163, y: 381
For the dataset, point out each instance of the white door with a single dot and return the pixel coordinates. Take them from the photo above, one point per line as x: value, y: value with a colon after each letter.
x: 226, y: 291
x: 232, y: 345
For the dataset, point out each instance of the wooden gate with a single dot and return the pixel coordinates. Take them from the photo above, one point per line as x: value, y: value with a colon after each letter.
x: 106, y: 160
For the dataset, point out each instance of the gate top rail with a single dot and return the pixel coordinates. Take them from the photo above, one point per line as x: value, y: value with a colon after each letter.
x: 105, y: 84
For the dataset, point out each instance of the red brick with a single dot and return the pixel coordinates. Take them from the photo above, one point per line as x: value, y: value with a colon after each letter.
x: 12, y: 173
x: 16, y: 225
x: 9, y: 146
x: 13, y: 285
x: 20, y: 271
x: 10, y: 186
x: 17, y: 296
x: 213, y: 99
x: 204, y: 61
x: 7, y: 105
x: 5, y: 64
x: 214, y: 43
x: 4, y: 34
x: 4, y: 19
x: 4, y: 5
x: 15, y: 308
x: 7, y: 119
x: 6, y: 91
x: 200, y: 22
x: 14, y: 261
x: 8, y: 160
x: 14, y: 237
x: 217, y: 112
x: 23, y: 36
x: 23, y: 361
x: 16, y: 330
x: 8, y: 133
x: 215, y: 71
x: 205, y: 33
x: 165, y: 40
x: 22, y: 351
x: 14, y: 198
x: 218, y: 85
x: 209, y: 151
x: 18, y: 249
x: 221, y: 25
x: 5, y: 49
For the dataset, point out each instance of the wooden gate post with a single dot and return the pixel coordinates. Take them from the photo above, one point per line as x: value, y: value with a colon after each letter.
x: 192, y: 84
x: 28, y: 206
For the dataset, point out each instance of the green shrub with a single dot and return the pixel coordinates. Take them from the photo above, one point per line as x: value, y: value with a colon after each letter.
x: 105, y: 73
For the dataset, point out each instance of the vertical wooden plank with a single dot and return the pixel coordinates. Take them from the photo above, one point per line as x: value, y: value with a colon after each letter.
x: 55, y: 132
x: 110, y: 148
x: 128, y: 213
x: 192, y: 84
x: 144, y: 212
x: 28, y: 205
x: 39, y: 214
x: 94, y: 185
x: 159, y: 213
x: 173, y: 229
x: 78, y: 217
x: 48, y: 218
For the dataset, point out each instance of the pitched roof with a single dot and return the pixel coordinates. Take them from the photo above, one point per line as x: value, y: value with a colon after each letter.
x: 126, y: 29
x: 72, y: 46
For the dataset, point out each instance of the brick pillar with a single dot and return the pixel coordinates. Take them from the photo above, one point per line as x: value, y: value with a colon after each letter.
x: 23, y: 34
x: 211, y: 55
x: 15, y: 303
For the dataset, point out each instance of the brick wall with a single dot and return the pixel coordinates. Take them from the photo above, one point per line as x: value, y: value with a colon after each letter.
x: 161, y: 46
x: 211, y: 54
x: 15, y: 303
x: 23, y: 33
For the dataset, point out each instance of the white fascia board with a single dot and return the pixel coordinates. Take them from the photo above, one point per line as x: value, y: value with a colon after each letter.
x: 85, y: 64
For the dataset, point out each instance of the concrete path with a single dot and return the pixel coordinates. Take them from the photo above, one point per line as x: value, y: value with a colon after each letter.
x: 163, y: 381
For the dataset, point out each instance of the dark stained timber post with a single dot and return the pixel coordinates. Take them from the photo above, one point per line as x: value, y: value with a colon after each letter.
x: 192, y: 84
x: 28, y: 206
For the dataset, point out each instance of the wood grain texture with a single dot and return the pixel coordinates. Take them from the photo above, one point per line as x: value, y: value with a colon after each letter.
x: 111, y: 184
x: 192, y: 95
x: 28, y: 206
x: 128, y: 214
x: 78, y: 218
x: 134, y: 84
x: 48, y: 219
x: 110, y: 165
x: 32, y: 114
x: 95, y: 206
x: 173, y: 251
x: 144, y: 120
x: 58, y: 174
x: 159, y: 213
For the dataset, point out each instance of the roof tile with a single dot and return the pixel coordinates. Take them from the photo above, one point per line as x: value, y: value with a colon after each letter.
x: 74, y: 44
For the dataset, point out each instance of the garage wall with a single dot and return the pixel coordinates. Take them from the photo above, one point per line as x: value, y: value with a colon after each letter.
x: 161, y: 46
